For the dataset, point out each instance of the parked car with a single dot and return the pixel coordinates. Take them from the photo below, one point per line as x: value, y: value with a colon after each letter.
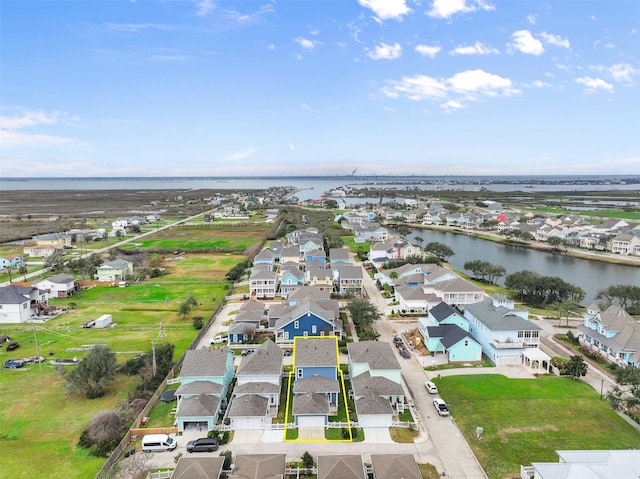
x: 246, y: 352
x: 397, y: 340
x: 12, y: 346
x: 431, y: 387
x: 441, y: 407
x: 287, y: 352
x: 14, y: 363
x: 203, y: 445
x: 218, y: 339
x: 404, y: 353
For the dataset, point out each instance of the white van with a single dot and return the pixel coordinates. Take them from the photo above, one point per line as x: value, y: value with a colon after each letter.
x: 158, y: 443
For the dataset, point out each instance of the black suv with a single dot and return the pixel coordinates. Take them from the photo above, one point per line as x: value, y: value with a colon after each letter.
x: 203, y: 445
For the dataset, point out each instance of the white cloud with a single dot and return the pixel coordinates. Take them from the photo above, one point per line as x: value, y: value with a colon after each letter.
x: 136, y: 27
x: 270, y: 46
x: 248, y: 18
x: 315, y: 32
x: 591, y: 85
x: 306, y: 43
x: 555, y: 40
x: 240, y: 155
x: 448, y: 8
x: 204, y: 7
x: 524, y: 42
x: 387, y: 9
x: 476, y: 49
x: 623, y: 72
x: 292, y: 146
x: 11, y: 134
x: 532, y: 19
x: 428, y: 51
x: 452, y: 93
x: 540, y: 84
x: 385, y: 52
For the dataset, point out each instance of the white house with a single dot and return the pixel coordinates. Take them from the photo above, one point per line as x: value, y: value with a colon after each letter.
x: 58, y: 286
x: 18, y: 304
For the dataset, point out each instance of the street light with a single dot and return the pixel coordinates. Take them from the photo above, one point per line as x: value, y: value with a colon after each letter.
x: 601, y: 387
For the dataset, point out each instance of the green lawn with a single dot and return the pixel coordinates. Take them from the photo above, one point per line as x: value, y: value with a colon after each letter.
x: 527, y: 420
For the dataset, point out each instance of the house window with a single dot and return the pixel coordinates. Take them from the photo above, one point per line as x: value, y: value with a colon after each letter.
x: 314, y: 329
x: 305, y: 334
x: 286, y: 335
x: 466, y: 342
x: 296, y: 324
x: 299, y: 373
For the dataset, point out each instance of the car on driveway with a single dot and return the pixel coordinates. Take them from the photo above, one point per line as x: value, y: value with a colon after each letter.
x: 203, y: 445
x: 12, y: 346
x: 287, y: 352
x: 218, y: 339
x: 441, y: 407
x: 397, y: 340
x: 14, y: 363
x: 431, y: 387
x: 404, y: 353
x: 247, y: 352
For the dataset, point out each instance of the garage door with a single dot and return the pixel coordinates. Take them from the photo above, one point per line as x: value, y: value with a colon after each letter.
x: 510, y: 360
x: 374, y: 420
x: 311, y: 421
x: 247, y: 423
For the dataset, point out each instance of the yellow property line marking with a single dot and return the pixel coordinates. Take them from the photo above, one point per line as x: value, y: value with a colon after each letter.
x: 290, y: 388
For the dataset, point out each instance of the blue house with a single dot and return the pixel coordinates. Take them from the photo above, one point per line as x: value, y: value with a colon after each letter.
x: 316, y: 386
x: 453, y: 341
x: 443, y: 313
x: 315, y: 255
x: 265, y: 259
x: 308, y: 318
x: 204, y: 380
x: 291, y: 278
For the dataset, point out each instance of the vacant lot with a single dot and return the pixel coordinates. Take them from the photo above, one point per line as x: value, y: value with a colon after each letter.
x: 527, y: 420
x: 40, y: 423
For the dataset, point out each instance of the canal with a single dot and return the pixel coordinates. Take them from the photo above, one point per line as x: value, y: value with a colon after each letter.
x: 589, y: 275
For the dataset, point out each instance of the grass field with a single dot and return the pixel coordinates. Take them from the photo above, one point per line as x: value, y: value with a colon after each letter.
x: 527, y: 420
x: 40, y: 423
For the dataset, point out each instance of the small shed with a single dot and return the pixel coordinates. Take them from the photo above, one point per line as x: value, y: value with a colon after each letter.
x: 103, y: 321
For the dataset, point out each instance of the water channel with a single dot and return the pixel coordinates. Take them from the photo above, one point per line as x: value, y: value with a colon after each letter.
x: 586, y: 274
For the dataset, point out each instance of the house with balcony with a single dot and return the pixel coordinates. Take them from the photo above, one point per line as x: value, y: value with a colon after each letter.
x: 339, y: 256
x: 507, y: 336
x: 290, y: 278
x: 58, y: 286
x: 18, y: 304
x: 316, y: 387
x: 256, y: 395
x: 114, y: 271
x: 263, y: 283
x: 349, y: 279
x: 204, y: 380
x: 445, y: 330
x: 11, y: 261
x: 626, y: 243
x: 613, y: 334
x: 308, y: 318
x: 265, y: 259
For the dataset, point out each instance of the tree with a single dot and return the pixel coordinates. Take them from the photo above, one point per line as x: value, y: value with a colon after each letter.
x: 332, y: 204
x: 184, y: 309
x: 93, y: 373
x: 23, y: 271
x: 198, y: 322
x: 419, y: 240
x: 565, y: 309
x: 439, y: 250
x: 576, y: 366
x: 623, y: 295
x: 363, y: 313
x: 55, y: 262
x: 555, y: 242
x: 307, y: 460
x: 625, y: 396
x: 103, y: 433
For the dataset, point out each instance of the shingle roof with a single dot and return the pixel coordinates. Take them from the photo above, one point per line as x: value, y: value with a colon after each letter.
x: 395, y: 466
x: 315, y: 384
x: 310, y: 404
x: 198, y: 468
x: 14, y: 294
x: 205, y: 362
x: 266, y: 360
x: 499, y: 318
x: 256, y: 388
x: 259, y: 466
x: 378, y: 355
x: 199, y: 387
x: 249, y: 405
x: 340, y: 467
x: 201, y: 405
x: 61, y: 278
x: 321, y: 352
x: 442, y: 311
x: 450, y: 334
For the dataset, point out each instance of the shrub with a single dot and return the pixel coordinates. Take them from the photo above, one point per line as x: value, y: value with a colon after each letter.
x: 198, y: 322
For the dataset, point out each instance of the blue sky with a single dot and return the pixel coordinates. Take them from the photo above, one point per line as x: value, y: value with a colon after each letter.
x: 302, y: 87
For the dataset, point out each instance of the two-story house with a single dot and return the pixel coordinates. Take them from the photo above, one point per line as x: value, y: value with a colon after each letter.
x: 114, y: 271
x: 613, y: 334
x: 263, y: 283
x: 316, y: 387
x: 58, y: 286
x: 308, y: 318
x: 204, y: 380
x: 18, y: 304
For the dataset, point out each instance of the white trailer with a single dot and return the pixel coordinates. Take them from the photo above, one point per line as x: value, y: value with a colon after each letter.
x: 103, y: 321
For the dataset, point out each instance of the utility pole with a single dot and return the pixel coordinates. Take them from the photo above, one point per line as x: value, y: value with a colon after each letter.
x: 153, y: 351
x: 37, y: 348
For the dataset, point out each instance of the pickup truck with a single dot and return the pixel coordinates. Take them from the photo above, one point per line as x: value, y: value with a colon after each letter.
x: 441, y: 407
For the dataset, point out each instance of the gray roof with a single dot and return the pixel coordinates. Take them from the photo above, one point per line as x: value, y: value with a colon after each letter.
x: 377, y: 354
x: 339, y: 254
x: 263, y: 274
x: 201, y: 405
x: 316, y: 384
x: 249, y: 316
x: 395, y: 466
x: 442, y: 311
x: 256, y: 388
x: 324, y: 311
x: 205, y: 362
x: 199, y: 387
x: 499, y: 318
x: 317, y: 351
x: 116, y: 263
x: 348, y: 271
x: 15, y: 294
x: 311, y: 404
x: 373, y: 393
x: 249, y: 405
x: 198, y: 468
x: 259, y: 466
x: 458, y: 284
x: 450, y: 334
x: 414, y: 293
x: 266, y: 360
x: 341, y: 467
x: 373, y: 405
x: 596, y: 464
x: 312, y: 293
x: 252, y: 305
x: 61, y: 278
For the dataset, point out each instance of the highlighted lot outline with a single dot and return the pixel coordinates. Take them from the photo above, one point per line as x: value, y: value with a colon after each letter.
x: 291, y: 378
